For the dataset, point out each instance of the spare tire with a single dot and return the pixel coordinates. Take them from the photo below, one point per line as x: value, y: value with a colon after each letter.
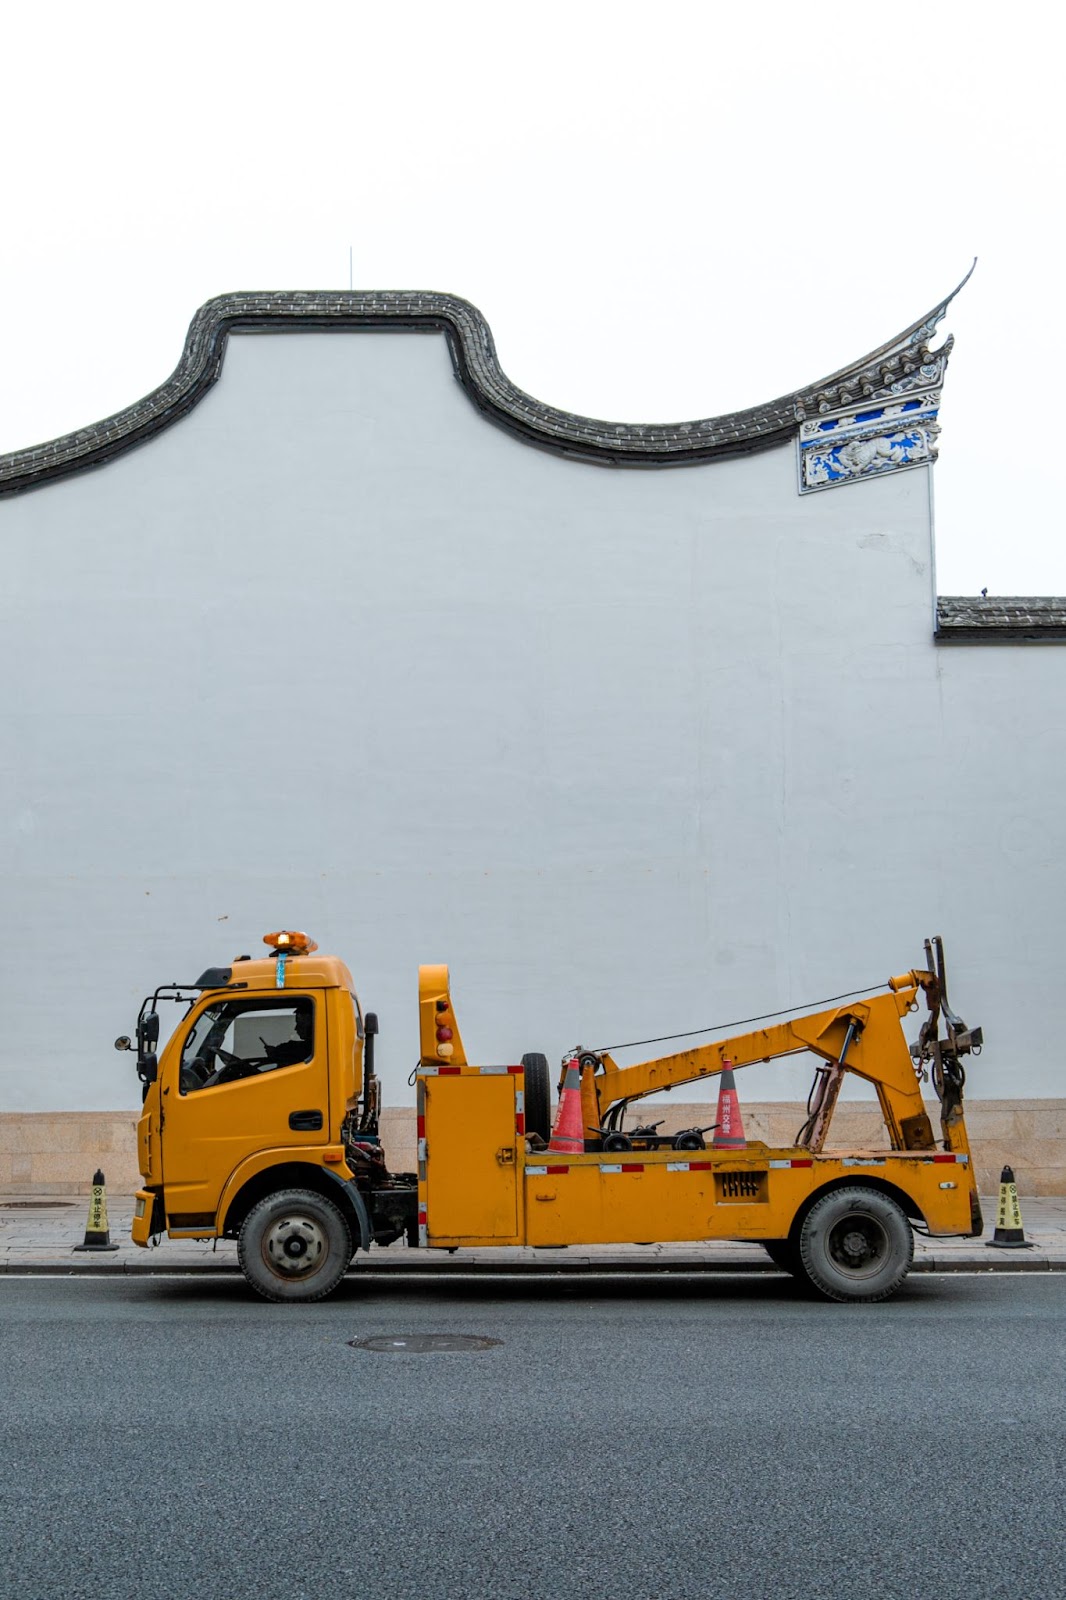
x: 538, y: 1095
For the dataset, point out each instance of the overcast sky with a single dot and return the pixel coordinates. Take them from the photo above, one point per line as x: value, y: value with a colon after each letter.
x: 665, y: 211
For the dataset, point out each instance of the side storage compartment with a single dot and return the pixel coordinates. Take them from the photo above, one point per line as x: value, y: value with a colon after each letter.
x: 470, y: 1127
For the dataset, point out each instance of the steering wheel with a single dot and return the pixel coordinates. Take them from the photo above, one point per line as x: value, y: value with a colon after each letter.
x: 235, y: 1068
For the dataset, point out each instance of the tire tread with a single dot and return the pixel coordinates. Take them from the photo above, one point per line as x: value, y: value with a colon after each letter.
x: 538, y: 1094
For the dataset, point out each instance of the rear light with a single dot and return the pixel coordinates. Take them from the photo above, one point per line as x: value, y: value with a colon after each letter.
x: 444, y: 1034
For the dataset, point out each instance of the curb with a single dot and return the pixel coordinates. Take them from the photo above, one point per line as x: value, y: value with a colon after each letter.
x: 975, y: 1263
x: 509, y: 1269
x: 402, y: 1269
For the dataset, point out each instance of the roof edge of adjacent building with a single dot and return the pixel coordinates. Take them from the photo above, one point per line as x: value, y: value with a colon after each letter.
x: 897, y: 368
x: 1000, y: 619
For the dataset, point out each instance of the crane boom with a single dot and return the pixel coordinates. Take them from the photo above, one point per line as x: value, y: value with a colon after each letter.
x: 863, y: 1037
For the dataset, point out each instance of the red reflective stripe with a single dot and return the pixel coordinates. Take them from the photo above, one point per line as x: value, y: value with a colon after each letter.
x: 516, y: 1069
x: 633, y: 1169
x: 943, y: 1158
x: 421, y: 1127
x: 807, y: 1163
x: 700, y: 1166
x: 557, y: 1169
x: 520, y: 1122
x: 449, y: 1072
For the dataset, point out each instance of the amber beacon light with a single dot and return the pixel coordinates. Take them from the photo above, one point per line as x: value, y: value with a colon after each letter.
x: 289, y: 943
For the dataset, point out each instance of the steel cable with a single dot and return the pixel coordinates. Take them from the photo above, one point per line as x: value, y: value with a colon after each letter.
x: 740, y: 1022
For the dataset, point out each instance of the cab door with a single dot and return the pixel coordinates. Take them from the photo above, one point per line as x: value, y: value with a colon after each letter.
x: 230, y: 1088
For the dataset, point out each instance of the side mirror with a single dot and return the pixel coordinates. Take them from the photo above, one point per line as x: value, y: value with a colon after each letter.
x: 123, y: 1042
x: 147, y: 1069
x: 370, y: 1022
x: 150, y: 1028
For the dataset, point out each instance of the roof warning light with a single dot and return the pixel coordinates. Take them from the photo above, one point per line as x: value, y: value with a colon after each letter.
x: 289, y: 943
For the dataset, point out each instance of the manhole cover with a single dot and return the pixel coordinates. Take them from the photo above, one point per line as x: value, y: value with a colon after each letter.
x: 35, y: 1205
x: 419, y: 1344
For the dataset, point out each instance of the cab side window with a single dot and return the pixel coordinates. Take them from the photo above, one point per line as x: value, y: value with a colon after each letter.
x: 243, y: 1038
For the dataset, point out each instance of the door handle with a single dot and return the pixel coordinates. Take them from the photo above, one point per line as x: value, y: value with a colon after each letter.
x: 305, y: 1121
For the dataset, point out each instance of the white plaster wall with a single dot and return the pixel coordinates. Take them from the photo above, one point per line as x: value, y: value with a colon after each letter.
x: 632, y: 750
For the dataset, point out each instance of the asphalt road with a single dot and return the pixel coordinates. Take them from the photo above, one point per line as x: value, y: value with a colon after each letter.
x: 166, y: 1438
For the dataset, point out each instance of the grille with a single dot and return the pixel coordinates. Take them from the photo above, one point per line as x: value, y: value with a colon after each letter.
x: 740, y: 1185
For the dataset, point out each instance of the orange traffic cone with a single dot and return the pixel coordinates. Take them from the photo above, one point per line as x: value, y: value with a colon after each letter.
x: 568, y: 1137
x: 729, y: 1134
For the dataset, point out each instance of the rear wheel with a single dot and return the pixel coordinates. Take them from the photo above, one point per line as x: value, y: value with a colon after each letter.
x: 294, y: 1245
x: 856, y: 1244
x: 538, y: 1095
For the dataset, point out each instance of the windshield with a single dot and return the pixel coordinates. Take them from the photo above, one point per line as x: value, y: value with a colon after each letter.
x: 206, y: 1033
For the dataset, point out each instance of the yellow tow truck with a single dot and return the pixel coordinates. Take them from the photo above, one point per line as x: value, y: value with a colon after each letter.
x: 260, y: 1124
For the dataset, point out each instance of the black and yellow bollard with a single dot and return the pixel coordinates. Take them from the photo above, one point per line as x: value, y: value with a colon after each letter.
x: 97, y: 1233
x: 1009, y: 1234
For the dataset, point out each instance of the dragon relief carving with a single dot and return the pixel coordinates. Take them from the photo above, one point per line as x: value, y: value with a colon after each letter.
x: 865, y: 452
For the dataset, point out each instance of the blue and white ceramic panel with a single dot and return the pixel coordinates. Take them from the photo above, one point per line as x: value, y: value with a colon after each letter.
x: 867, y: 441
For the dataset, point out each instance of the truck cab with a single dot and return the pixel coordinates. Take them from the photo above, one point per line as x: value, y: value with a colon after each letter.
x: 262, y: 1089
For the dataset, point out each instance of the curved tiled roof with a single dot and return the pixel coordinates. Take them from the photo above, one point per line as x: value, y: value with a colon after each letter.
x: 902, y: 363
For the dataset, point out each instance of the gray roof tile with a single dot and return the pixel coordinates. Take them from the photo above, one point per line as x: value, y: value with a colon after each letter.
x: 1000, y: 619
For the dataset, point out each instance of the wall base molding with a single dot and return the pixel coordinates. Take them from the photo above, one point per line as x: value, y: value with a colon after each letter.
x: 57, y: 1152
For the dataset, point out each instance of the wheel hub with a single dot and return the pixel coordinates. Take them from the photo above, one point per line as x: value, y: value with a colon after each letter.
x: 294, y: 1246
x: 857, y: 1243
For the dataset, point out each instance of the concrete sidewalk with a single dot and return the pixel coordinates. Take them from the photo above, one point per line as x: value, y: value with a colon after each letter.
x: 38, y: 1236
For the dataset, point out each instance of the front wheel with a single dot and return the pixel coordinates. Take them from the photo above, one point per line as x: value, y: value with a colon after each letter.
x: 856, y: 1244
x: 294, y: 1245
